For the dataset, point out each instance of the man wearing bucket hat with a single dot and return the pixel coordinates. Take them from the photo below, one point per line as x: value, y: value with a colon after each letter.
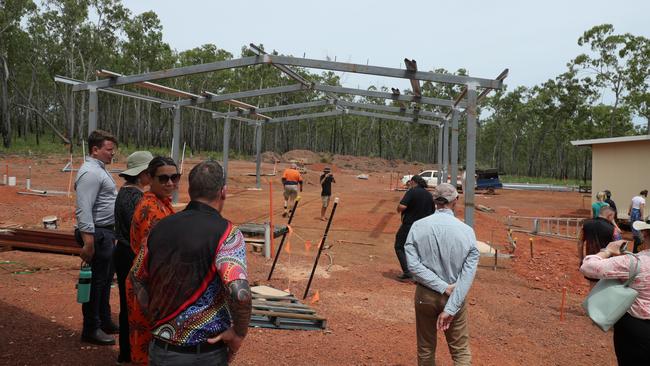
x: 442, y: 257
x: 137, y: 179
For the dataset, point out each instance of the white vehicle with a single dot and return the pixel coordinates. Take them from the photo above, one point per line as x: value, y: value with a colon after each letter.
x: 429, y: 176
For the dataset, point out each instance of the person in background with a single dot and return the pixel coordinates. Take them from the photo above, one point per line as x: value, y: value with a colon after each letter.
x: 193, y: 279
x: 153, y: 207
x: 95, y: 214
x: 595, y: 235
x: 632, y: 331
x: 326, y: 180
x: 291, y: 179
x: 442, y: 258
x: 611, y: 203
x: 417, y: 203
x: 636, y: 212
x: 600, y: 203
x: 137, y: 180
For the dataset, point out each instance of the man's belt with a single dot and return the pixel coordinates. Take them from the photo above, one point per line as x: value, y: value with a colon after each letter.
x: 199, y: 348
x: 290, y: 183
x: 105, y: 227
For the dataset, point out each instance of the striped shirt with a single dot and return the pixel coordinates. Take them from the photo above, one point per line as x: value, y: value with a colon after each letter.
x: 619, y: 268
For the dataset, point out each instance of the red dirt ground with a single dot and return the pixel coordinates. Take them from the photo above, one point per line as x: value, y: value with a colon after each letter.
x: 514, y: 312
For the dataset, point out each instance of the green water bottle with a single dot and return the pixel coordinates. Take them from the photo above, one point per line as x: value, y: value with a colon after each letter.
x: 83, y: 286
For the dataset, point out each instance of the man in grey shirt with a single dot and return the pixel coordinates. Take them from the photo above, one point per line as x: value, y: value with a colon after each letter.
x: 96, y: 194
x: 442, y: 257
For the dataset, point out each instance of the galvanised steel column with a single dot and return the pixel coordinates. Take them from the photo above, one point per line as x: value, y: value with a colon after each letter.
x: 445, y: 150
x: 226, y: 147
x: 176, y: 143
x: 454, y: 146
x: 92, y: 110
x: 440, y: 137
x: 258, y: 161
x: 470, y: 179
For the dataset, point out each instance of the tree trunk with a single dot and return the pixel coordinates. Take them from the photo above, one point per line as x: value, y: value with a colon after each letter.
x: 4, y: 102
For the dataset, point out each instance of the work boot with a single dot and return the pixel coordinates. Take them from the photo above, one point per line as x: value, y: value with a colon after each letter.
x: 404, y: 277
x: 111, y: 328
x: 98, y: 337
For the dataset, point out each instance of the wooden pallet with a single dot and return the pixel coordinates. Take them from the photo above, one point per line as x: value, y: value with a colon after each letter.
x: 284, y: 312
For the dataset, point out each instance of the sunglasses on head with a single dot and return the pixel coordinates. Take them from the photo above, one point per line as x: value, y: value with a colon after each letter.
x: 164, y: 178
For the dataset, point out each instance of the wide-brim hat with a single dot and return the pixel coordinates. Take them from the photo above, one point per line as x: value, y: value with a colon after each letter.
x: 136, y: 163
x: 640, y: 225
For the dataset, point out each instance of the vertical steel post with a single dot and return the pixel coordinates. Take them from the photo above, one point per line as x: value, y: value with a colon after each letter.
x: 226, y: 147
x: 454, y: 146
x: 258, y: 160
x: 439, y: 159
x: 445, y: 150
x: 470, y: 180
x: 92, y: 110
x: 176, y: 143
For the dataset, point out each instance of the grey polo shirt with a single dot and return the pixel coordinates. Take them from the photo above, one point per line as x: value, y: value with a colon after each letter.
x: 96, y: 194
x: 441, y: 250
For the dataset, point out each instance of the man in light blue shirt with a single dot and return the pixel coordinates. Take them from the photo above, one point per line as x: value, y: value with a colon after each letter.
x: 442, y: 258
x: 96, y: 194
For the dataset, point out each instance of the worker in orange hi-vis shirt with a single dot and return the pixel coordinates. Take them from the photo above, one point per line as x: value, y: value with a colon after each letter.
x: 291, y: 179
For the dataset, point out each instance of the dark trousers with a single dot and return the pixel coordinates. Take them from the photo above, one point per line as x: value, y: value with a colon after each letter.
x: 159, y: 356
x: 123, y: 258
x: 632, y: 341
x: 97, y: 311
x: 400, y: 240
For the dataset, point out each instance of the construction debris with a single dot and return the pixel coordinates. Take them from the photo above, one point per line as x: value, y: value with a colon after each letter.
x: 484, y: 208
x: 283, y: 312
x: 362, y: 176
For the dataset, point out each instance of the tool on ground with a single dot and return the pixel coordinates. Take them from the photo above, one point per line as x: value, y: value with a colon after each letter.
x: 284, y: 236
x: 320, y: 247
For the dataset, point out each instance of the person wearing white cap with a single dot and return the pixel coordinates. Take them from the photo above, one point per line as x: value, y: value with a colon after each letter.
x: 442, y: 257
x: 137, y: 179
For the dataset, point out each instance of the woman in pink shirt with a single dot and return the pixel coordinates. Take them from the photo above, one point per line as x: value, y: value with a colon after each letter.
x: 632, y: 331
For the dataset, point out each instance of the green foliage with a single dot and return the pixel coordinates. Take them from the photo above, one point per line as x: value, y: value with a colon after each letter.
x: 543, y: 180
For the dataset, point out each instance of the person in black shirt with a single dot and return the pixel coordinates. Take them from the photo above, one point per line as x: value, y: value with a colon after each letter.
x: 596, y: 234
x: 326, y: 180
x: 416, y: 204
x: 611, y: 203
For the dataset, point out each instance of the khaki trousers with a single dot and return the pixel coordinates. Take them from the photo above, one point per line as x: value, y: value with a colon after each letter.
x: 428, y: 305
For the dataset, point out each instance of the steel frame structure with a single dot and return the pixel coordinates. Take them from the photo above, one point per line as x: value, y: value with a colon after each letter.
x: 467, y: 100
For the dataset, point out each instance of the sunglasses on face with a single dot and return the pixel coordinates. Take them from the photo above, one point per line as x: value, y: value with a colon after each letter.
x: 164, y: 178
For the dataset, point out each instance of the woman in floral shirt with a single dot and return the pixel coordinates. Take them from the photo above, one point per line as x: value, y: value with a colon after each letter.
x: 153, y: 207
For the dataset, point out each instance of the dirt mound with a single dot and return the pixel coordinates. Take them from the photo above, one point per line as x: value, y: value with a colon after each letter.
x: 271, y: 157
x: 374, y: 164
x: 305, y: 156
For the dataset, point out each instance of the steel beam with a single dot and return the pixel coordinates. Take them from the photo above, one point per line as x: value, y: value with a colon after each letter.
x: 392, y: 117
x: 170, y: 73
x: 93, y: 105
x: 292, y: 74
x: 378, y: 94
x: 258, y: 158
x: 381, y: 71
x: 286, y: 107
x: 151, y: 86
x: 306, y: 116
x: 470, y: 171
x: 439, y: 157
x: 384, y: 108
x: 226, y: 148
x: 454, y: 146
x: 502, y: 76
x: 239, y: 95
x: 176, y: 144
x: 445, y: 150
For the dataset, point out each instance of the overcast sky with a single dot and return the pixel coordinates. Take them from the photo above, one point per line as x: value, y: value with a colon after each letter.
x: 534, y: 39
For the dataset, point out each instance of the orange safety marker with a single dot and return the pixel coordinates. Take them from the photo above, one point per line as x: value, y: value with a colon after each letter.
x: 307, y: 245
x: 315, y: 298
x: 531, y: 247
x: 562, y: 305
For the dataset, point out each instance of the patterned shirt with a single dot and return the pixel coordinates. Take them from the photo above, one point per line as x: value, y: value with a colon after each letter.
x: 619, y: 268
x: 209, y: 315
x: 96, y: 194
x: 148, y: 212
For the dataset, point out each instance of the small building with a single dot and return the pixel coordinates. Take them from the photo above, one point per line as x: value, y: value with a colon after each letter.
x: 622, y: 165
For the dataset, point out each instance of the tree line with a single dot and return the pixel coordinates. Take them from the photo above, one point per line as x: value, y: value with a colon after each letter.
x: 523, y: 131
